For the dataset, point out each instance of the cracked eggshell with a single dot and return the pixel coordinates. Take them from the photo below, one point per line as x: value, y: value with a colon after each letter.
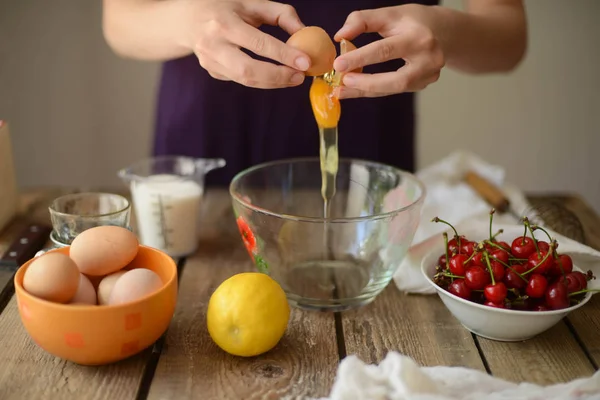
x: 103, y: 250
x: 317, y: 44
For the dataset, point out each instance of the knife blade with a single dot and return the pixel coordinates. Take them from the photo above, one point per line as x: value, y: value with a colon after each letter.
x: 30, y: 240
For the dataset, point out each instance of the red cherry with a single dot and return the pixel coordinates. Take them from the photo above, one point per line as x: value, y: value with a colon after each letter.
x: 495, y: 305
x: 522, y: 247
x: 495, y: 293
x: 453, y: 245
x: 573, y: 283
x: 500, y: 255
x: 536, y: 287
x: 580, y: 276
x: 504, y: 245
x: 498, y: 271
x: 442, y: 261
x: 564, y: 261
x: 557, y: 296
x: 460, y: 289
x: 457, y: 264
x: 467, y: 247
x: 476, y: 277
x: 535, y: 260
x: 543, y: 246
x: 478, y: 259
x: 512, y: 280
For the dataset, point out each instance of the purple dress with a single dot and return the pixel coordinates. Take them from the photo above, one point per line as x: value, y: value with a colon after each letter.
x: 200, y: 116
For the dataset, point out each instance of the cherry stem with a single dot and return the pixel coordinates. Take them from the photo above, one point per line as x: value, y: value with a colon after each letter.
x: 491, y: 219
x: 524, y: 233
x: 513, y: 270
x: 583, y: 291
x: 500, y: 261
x: 487, y: 261
x: 542, y: 261
x: 526, y: 222
x: 446, y: 247
x: 449, y: 275
x: 436, y: 219
x: 471, y: 257
x: 497, y: 233
x: 536, y: 227
x: 517, y: 259
x: 495, y: 245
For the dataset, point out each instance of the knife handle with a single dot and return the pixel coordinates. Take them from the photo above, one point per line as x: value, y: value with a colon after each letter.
x: 30, y: 240
x: 488, y: 191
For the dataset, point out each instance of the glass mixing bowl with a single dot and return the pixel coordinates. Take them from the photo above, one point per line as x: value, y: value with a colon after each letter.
x: 335, y: 263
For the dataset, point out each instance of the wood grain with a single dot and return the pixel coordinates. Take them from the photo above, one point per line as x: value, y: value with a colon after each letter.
x: 554, y: 356
x: 302, y: 365
x: 35, y: 374
x: 586, y: 320
x: 418, y: 326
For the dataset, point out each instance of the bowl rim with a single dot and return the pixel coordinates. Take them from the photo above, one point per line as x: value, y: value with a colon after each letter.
x: 54, y: 212
x: 441, y: 291
x: 21, y: 292
x: 239, y: 199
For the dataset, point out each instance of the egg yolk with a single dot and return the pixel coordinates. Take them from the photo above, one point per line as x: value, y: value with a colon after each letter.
x: 325, y: 105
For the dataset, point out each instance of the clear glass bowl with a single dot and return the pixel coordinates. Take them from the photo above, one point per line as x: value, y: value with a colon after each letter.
x: 331, y: 264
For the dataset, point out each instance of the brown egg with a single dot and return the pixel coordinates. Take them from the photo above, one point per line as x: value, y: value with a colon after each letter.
x: 52, y: 277
x: 347, y: 46
x: 317, y: 44
x: 134, y: 285
x: 106, y: 286
x: 103, y: 249
x: 85, y: 292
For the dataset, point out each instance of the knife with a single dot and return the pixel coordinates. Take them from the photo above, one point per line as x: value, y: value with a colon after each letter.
x: 30, y: 240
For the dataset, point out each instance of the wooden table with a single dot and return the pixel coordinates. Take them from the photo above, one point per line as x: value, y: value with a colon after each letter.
x: 186, y: 364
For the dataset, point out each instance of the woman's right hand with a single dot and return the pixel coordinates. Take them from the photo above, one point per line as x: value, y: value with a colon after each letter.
x: 219, y: 28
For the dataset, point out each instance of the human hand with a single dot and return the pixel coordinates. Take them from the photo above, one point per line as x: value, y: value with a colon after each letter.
x: 408, y: 33
x: 220, y: 28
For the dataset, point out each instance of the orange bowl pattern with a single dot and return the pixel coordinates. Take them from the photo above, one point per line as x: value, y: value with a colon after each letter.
x: 96, y: 335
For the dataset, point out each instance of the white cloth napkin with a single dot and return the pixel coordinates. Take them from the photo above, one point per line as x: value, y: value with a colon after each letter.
x: 398, y: 377
x: 452, y: 200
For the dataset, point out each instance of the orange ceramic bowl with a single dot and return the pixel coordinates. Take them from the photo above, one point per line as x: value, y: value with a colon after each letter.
x: 96, y: 335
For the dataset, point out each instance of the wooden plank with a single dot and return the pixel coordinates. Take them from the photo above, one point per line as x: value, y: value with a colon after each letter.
x: 556, y: 355
x: 418, y: 326
x: 302, y: 365
x: 29, y: 372
x: 586, y: 320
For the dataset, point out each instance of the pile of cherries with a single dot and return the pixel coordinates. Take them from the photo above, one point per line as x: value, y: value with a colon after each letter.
x: 529, y: 274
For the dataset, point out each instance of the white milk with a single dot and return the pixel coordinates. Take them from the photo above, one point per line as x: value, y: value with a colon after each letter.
x: 167, y: 209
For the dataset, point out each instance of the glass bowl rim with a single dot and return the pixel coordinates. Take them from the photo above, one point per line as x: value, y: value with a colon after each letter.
x: 54, y: 211
x: 239, y: 199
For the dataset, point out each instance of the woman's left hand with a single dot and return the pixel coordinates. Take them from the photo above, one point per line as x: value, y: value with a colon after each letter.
x: 408, y: 32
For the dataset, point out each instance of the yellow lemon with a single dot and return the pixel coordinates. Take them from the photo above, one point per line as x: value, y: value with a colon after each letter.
x: 247, y: 314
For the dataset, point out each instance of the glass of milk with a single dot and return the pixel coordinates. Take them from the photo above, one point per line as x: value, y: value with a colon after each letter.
x: 166, y: 192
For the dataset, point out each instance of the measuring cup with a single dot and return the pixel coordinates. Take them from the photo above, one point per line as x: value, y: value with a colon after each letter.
x: 166, y: 193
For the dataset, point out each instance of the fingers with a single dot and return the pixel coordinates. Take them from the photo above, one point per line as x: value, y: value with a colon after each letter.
x: 247, y: 71
x: 362, y: 22
x: 407, y: 79
x: 267, y: 46
x: 379, y: 51
x: 213, y: 68
x: 276, y: 14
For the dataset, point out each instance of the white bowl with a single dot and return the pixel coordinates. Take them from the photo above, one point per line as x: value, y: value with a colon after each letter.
x: 489, y: 322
